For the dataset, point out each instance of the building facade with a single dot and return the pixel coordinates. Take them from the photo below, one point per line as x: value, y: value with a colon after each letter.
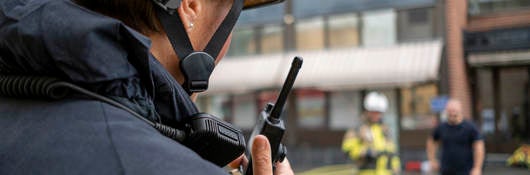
x: 496, y: 43
x: 349, y: 48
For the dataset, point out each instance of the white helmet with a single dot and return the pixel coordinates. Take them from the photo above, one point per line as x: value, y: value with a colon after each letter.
x: 376, y: 102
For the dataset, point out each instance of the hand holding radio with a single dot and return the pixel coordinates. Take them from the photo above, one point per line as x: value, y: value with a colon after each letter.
x: 271, y: 125
x: 262, y: 152
x: 265, y: 153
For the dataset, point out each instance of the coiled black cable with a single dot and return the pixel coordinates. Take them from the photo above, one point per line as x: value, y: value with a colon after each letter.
x: 28, y: 86
x: 170, y: 132
x: 53, y: 88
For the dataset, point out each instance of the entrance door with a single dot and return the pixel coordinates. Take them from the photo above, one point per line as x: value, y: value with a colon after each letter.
x: 502, y: 105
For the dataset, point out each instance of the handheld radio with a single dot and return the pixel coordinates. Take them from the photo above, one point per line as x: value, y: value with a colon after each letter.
x: 269, y: 122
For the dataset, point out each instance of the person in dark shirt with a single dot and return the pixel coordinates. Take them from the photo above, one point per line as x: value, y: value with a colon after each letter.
x: 462, y: 146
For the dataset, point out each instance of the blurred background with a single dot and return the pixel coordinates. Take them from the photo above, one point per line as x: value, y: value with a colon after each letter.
x: 419, y: 53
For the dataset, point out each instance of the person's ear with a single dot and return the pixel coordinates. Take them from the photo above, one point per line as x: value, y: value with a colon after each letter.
x: 188, y: 11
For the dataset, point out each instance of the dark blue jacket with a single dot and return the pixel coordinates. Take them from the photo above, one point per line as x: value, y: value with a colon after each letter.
x: 78, y: 135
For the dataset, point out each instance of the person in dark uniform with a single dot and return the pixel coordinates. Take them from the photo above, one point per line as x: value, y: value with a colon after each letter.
x: 462, y: 146
x: 122, y: 50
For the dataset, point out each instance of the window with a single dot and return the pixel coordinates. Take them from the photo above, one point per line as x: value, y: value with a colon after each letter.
x: 379, y: 28
x: 416, y: 107
x: 310, y: 107
x: 416, y: 24
x: 343, y: 30
x: 513, y: 84
x: 479, y: 7
x: 485, y: 100
x: 220, y: 106
x: 310, y: 34
x: 245, y: 112
x: 265, y: 97
x: 502, y: 105
x: 272, y: 39
x: 217, y: 105
x: 345, y: 110
x: 203, y: 103
x: 418, y: 16
x: 243, y: 42
x: 390, y: 117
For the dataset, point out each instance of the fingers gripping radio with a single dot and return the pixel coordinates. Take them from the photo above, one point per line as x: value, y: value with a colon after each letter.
x: 269, y: 122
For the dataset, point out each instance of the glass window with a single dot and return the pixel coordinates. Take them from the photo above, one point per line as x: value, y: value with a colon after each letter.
x: 345, y: 110
x: 310, y: 107
x: 416, y: 107
x: 203, y: 103
x: 485, y: 106
x: 343, y: 30
x: 265, y: 97
x: 272, y: 39
x: 507, y: 124
x: 390, y: 117
x: 513, y: 94
x: 478, y: 7
x: 243, y: 42
x: 220, y: 106
x: 416, y: 24
x: 379, y: 28
x: 245, y: 112
x: 310, y: 34
x: 217, y: 105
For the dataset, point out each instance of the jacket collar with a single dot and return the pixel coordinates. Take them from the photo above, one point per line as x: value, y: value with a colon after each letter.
x: 61, y: 39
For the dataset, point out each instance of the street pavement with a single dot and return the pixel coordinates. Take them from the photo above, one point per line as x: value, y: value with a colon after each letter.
x: 491, y: 170
x: 349, y: 169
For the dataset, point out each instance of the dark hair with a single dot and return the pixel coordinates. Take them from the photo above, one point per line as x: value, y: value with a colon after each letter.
x: 138, y: 14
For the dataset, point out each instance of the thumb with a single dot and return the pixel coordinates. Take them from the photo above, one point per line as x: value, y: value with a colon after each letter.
x: 261, y: 156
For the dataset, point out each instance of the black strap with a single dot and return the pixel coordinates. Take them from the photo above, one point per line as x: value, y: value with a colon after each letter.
x: 218, y: 39
x: 197, y: 66
x: 174, y: 29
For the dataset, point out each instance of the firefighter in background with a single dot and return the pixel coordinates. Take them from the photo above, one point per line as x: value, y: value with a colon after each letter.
x: 520, y: 158
x: 370, y: 145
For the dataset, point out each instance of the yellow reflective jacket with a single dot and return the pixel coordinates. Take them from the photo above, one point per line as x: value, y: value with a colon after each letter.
x: 521, y: 157
x: 372, y: 149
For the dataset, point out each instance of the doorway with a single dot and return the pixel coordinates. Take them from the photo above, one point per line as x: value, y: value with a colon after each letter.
x: 502, y: 106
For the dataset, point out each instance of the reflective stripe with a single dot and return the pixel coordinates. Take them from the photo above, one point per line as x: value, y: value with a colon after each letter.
x: 375, y: 172
x: 354, y: 148
x: 371, y: 138
x: 379, y: 140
